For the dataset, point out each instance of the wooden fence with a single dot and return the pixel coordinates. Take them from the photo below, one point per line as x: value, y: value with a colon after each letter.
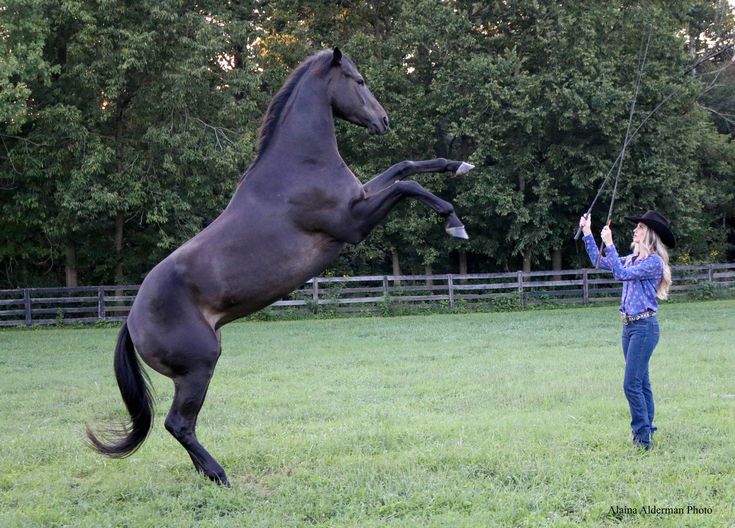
x: 34, y: 306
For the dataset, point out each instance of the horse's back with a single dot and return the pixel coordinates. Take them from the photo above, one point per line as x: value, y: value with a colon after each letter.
x: 234, y: 267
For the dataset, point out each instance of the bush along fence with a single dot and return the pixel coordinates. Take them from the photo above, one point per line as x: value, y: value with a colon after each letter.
x: 38, y: 306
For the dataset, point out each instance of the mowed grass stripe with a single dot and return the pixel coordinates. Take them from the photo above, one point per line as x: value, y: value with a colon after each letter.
x: 486, y: 419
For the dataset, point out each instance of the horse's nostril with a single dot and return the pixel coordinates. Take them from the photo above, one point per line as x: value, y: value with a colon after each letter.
x: 386, y: 122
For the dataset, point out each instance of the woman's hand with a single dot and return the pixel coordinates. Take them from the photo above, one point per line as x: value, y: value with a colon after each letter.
x: 606, y: 236
x: 585, y: 222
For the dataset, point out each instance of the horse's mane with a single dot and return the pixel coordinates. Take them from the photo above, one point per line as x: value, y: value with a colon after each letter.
x: 279, y: 101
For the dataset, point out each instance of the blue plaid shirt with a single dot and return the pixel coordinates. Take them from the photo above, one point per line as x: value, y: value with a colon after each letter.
x: 640, y: 276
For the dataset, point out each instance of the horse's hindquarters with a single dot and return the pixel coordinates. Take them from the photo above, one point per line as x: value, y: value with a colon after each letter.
x: 167, y: 326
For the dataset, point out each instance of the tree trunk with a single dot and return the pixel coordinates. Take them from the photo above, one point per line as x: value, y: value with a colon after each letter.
x: 119, y: 227
x: 396, y: 264
x: 462, y: 262
x: 556, y: 263
x: 692, y: 49
x: 526, y: 264
x: 428, y: 271
x: 462, y: 265
x: 72, y: 280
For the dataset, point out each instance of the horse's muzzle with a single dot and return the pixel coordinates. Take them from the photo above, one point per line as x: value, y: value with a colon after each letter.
x: 379, y: 127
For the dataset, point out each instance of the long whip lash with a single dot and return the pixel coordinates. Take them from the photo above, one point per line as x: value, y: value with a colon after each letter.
x: 631, y: 137
x: 642, y: 63
x: 642, y: 55
x: 615, y: 163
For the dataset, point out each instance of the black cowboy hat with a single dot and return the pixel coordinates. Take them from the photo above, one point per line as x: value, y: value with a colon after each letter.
x: 658, y: 223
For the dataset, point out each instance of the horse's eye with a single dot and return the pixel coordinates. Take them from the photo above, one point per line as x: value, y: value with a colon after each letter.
x: 361, y: 82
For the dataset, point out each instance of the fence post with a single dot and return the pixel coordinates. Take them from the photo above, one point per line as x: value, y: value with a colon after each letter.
x: 520, y: 288
x: 385, y: 288
x: 27, y: 306
x: 585, y: 287
x: 315, y: 293
x: 710, y: 272
x: 450, y: 290
x: 101, y: 303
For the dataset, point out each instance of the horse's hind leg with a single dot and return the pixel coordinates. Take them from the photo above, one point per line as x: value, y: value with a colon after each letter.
x: 191, y: 372
x: 190, y: 391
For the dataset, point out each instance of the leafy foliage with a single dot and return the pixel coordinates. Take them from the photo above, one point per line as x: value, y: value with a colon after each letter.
x: 125, y: 126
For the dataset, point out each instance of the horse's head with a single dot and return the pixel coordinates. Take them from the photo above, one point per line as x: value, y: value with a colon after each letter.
x: 351, y: 99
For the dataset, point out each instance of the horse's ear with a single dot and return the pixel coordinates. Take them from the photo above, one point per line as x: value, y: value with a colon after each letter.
x: 336, y: 57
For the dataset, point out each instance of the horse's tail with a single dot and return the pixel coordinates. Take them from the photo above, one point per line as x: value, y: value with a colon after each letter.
x: 135, y: 388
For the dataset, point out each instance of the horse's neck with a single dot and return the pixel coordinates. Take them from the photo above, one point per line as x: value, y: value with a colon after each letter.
x: 304, y: 141
x: 306, y: 129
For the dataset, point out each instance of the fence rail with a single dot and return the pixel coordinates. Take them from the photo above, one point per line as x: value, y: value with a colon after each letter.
x: 38, y: 306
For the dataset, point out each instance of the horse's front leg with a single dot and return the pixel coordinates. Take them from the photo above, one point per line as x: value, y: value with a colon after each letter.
x: 404, y: 169
x: 373, y: 208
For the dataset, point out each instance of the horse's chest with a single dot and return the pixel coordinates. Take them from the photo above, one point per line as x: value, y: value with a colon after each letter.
x: 321, y: 198
x: 311, y: 200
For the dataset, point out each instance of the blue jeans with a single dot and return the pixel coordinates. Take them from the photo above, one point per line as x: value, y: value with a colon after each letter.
x: 639, y: 340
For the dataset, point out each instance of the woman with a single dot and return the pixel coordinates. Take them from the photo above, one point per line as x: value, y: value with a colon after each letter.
x: 646, y: 276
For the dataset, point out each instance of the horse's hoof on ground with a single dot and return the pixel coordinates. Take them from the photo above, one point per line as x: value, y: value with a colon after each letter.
x: 221, y: 480
x: 457, y: 232
x: 464, y: 169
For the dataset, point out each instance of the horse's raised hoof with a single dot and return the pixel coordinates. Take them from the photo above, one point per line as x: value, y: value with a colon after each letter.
x: 464, y: 169
x: 457, y: 232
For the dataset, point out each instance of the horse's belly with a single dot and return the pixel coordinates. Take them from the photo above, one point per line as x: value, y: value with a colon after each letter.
x: 244, y: 286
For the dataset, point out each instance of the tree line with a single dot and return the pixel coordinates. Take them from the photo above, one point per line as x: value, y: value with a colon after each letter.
x: 126, y: 125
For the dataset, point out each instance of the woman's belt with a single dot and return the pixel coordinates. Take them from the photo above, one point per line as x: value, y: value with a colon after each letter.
x: 627, y: 319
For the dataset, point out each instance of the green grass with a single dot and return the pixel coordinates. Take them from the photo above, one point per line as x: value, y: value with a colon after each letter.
x: 502, y: 419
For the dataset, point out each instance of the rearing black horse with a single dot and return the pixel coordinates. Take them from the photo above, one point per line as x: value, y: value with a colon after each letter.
x: 294, y: 210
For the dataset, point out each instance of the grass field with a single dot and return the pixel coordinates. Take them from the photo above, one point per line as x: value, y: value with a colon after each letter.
x: 496, y: 419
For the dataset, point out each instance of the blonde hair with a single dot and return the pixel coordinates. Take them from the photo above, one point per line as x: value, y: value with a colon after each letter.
x: 652, y: 245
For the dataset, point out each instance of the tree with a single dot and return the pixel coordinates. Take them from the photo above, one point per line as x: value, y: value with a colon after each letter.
x: 125, y: 126
x: 138, y: 123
